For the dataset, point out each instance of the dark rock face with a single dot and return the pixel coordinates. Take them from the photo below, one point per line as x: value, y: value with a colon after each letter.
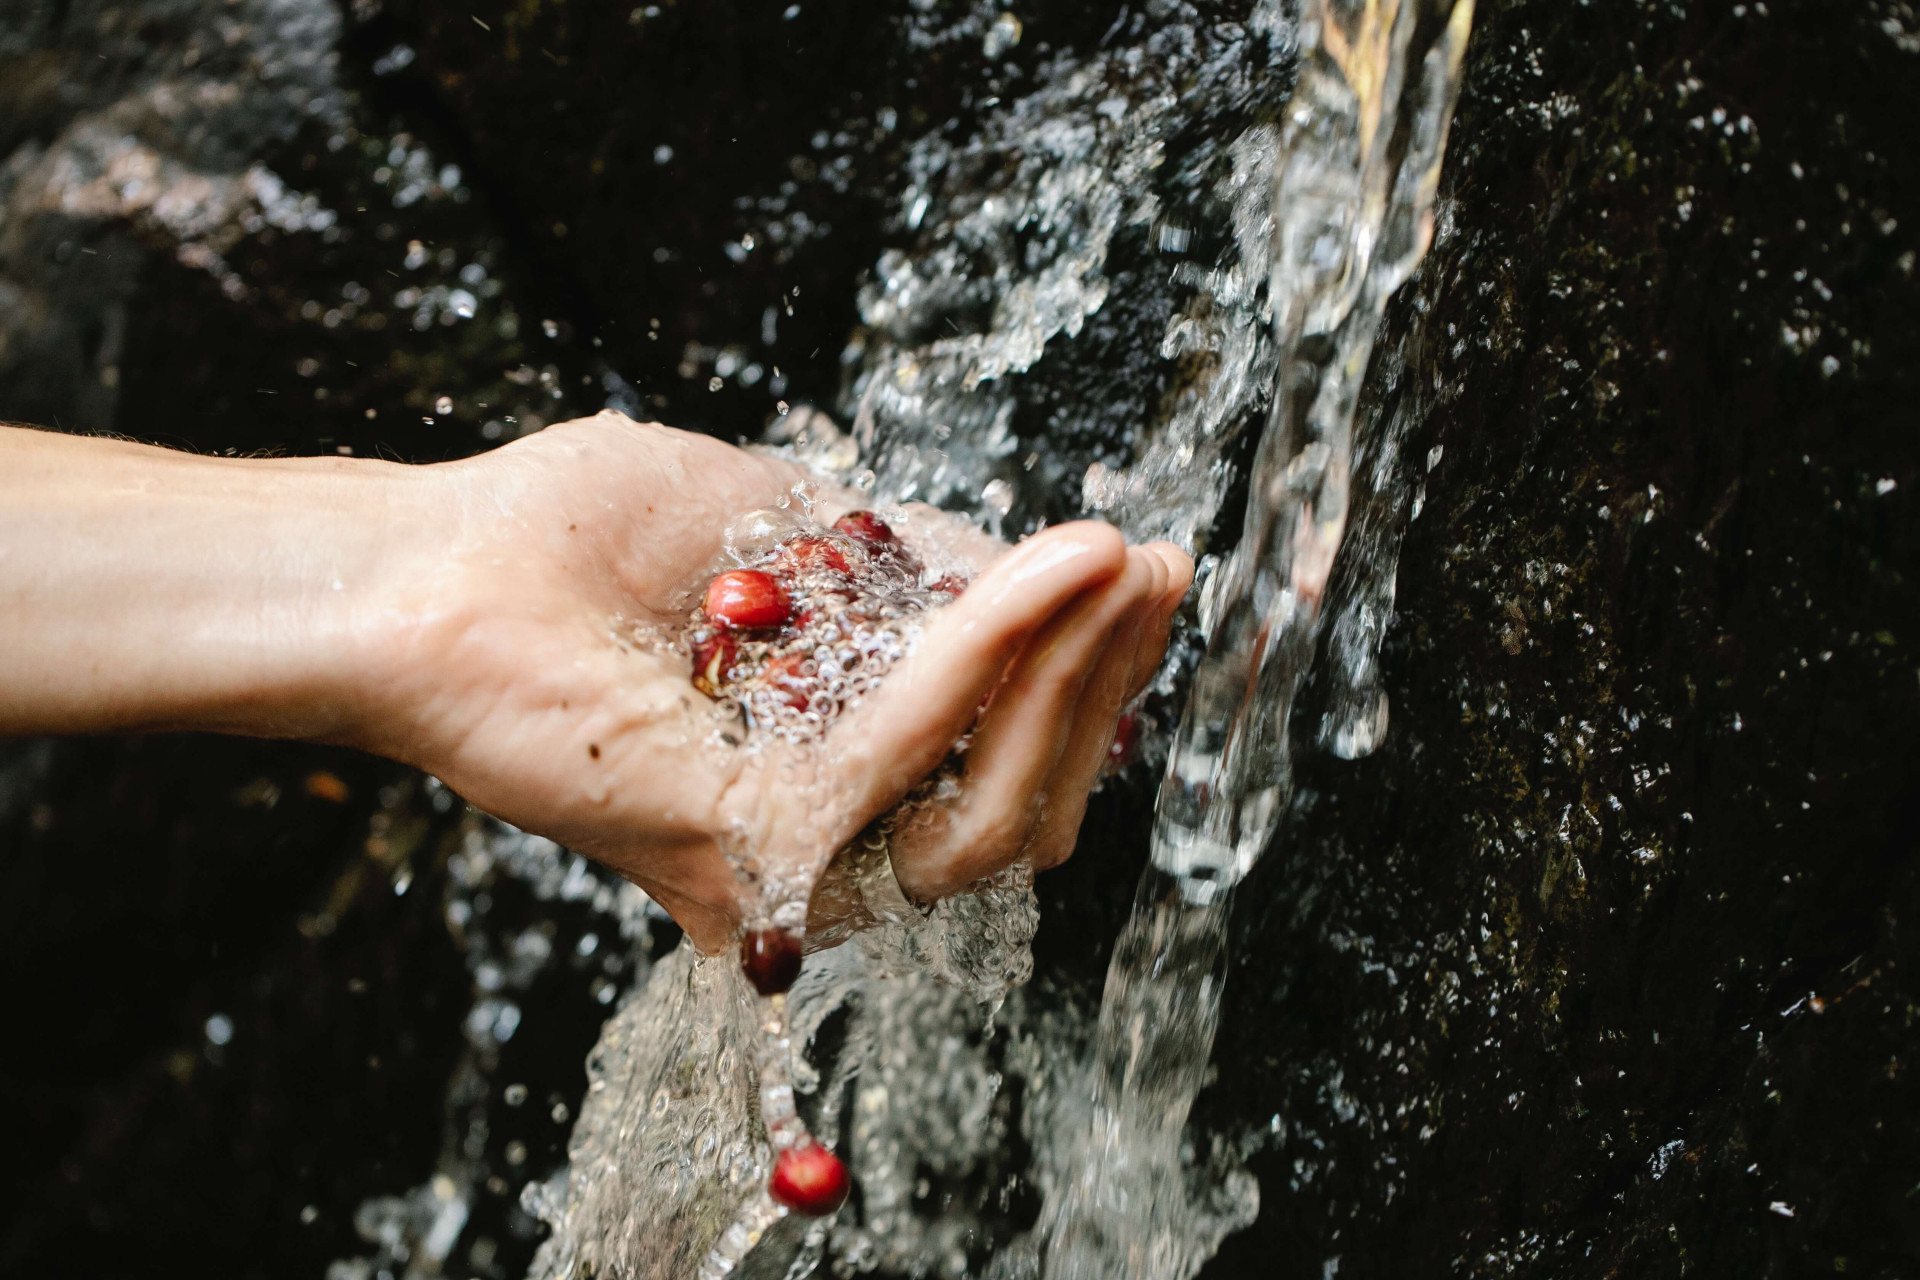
x: 1602, y: 965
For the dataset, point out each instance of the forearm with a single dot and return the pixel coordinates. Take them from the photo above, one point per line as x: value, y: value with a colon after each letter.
x: 144, y: 588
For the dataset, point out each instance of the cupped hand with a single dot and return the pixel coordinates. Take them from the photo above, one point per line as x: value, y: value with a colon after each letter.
x: 524, y: 680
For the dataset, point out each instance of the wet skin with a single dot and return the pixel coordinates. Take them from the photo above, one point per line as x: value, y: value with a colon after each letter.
x: 477, y: 619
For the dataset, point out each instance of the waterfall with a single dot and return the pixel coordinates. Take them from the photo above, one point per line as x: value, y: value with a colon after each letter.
x: 1314, y: 222
x: 1352, y: 215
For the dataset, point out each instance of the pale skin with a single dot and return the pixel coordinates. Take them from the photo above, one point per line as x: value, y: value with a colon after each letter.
x: 476, y: 619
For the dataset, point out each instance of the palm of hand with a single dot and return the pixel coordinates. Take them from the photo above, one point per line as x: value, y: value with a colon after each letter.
x: 533, y: 698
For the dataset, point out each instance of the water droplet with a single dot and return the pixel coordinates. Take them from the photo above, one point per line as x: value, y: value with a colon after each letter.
x: 1001, y: 36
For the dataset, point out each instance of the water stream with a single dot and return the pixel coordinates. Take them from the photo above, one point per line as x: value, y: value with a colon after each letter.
x: 995, y: 1129
x: 1352, y: 214
x: 1327, y: 216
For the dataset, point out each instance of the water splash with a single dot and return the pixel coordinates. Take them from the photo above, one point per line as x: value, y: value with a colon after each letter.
x: 1353, y: 215
x: 668, y: 1163
x: 416, y: 1233
x: 1018, y: 231
x: 1136, y: 1204
x: 1313, y: 223
x: 1353, y: 195
x: 668, y: 1149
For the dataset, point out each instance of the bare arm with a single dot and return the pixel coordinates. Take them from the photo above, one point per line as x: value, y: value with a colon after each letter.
x: 143, y: 588
x: 475, y: 619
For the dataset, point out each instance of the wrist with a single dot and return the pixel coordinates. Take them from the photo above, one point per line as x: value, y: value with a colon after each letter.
x: 304, y: 565
x: 145, y: 588
x: 390, y: 532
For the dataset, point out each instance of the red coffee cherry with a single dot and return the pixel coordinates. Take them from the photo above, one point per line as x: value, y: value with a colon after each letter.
x: 952, y: 584
x: 784, y: 676
x: 712, y: 659
x: 809, y: 1179
x: 1126, y: 733
x: 816, y: 553
x: 771, y: 959
x: 867, y: 527
x: 747, y: 598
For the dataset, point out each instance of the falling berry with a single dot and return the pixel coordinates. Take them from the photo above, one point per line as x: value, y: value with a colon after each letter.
x: 771, y: 958
x: 816, y: 553
x: 747, y: 598
x: 712, y: 658
x: 867, y: 527
x: 809, y: 1179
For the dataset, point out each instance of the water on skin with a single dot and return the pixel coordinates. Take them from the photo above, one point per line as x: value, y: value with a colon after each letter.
x: 896, y: 1072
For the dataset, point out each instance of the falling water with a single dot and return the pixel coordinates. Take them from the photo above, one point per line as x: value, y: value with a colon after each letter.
x: 1353, y: 192
x: 1303, y: 228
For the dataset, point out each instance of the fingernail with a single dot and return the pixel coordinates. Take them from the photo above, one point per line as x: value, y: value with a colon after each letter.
x: 1049, y: 555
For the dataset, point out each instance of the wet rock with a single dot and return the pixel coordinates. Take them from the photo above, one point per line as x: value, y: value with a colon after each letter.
x: 1604, y: 963
x: 129, y: 129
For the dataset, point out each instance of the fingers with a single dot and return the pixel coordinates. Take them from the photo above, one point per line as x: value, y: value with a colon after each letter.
x: 1179, y: 579
x: 1129, y: 661
x: 898, y: 735
x: 1111, y: 687
x: 1019, y: 742
x: 1063, y: 632
x: 1020, y: 737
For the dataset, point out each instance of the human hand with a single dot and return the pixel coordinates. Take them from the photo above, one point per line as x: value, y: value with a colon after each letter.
x: 517, y: 679
x: 482, y: 620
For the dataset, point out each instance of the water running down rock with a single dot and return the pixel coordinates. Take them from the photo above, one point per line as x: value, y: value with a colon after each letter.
x: 1352, y: 215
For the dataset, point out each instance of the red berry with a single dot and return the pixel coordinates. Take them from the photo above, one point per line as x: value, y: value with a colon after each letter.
x: 1125, y: 734
x: 748, y: 598
x: 867, y: 527
x: 771, y: 958
x: 787, y: 680
x: 809, y: 1179
x: 952, y: 584
x: 712, y: 659
x: 816, y: 553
